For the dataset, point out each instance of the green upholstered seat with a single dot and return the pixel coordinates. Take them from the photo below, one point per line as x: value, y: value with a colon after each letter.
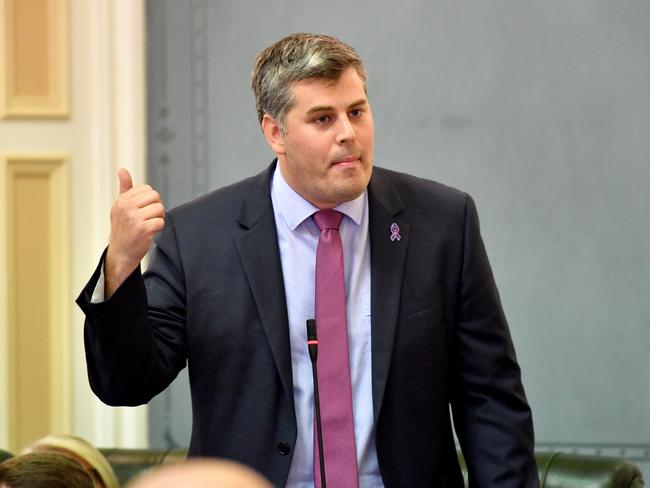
x: 4, y: 455
x: 560, y: 470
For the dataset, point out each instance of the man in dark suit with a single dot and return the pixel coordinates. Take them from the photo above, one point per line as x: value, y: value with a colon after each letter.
x: 230, y: 284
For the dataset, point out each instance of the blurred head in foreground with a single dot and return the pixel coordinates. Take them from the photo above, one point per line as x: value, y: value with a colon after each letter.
x: 81, y: 451
x: 43, y: 470
x: 201, y: 473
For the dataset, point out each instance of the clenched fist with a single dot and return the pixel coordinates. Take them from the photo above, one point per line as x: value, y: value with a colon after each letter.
x: 136, y: 216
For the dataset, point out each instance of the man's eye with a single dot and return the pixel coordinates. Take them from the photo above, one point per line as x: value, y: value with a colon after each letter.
x: 322, y: 119
x: 356, y: 113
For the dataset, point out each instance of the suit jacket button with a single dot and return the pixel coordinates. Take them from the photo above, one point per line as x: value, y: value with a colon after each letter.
x: 284, y: 448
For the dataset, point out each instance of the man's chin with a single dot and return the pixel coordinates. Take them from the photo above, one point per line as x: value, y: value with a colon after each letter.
x: 347, y: 192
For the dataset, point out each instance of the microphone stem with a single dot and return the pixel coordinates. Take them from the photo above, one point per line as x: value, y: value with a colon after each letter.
x: 319, y: 432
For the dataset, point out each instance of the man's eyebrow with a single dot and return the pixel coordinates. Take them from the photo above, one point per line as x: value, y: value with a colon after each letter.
x: 329, y: 108
x: 358, y: 103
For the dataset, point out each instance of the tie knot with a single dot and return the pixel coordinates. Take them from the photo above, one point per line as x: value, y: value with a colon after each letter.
x: 328, y: 219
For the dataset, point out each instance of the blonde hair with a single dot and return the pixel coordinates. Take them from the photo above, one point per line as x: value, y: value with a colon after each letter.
x: 78, y: 449
x: 295, y: 58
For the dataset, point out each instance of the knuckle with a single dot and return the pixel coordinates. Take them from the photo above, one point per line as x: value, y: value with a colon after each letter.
x: 122, y: 202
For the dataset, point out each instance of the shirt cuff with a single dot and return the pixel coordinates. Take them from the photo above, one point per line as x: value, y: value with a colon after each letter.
x: 98, y: 292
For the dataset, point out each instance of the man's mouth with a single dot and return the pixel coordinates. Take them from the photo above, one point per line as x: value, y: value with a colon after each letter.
x: 347, y: 160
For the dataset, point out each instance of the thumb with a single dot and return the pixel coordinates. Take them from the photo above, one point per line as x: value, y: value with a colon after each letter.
x: 126, y: 183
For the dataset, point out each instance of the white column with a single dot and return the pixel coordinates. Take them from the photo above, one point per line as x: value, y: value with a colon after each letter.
x: 108, y: 53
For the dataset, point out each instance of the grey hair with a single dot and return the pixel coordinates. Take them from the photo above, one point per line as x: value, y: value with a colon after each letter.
x: 295, y: 58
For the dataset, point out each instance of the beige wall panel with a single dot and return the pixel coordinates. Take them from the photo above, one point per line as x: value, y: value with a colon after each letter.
x: 30, y: 326
x: 29, y: 40
x: 106, y: 52
x: 35, y: 50
x: 38, y: 331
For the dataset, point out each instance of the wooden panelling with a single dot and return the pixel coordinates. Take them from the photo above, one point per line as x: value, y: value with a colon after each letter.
x: 38, y: 332
x: 35, y: 51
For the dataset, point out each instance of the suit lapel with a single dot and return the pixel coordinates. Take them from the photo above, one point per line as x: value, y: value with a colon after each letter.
x: 260, y: 257
x: 387, y: 258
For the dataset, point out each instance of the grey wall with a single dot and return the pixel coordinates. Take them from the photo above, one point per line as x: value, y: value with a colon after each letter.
x: 540, y: 109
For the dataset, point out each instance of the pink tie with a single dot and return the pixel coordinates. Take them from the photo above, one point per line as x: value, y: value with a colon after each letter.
x: 333, y: 359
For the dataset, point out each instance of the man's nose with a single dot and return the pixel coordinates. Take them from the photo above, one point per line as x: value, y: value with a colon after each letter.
x: 345, y: 131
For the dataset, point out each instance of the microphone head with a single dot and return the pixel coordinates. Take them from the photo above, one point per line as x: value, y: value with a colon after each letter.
x: 311, y: 330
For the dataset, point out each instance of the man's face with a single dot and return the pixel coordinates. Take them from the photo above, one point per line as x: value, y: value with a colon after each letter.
x: 326, y: 151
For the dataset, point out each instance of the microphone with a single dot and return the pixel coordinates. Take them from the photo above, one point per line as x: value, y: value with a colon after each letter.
x: 312, y: 344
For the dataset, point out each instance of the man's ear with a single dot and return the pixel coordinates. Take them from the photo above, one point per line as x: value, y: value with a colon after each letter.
x: 273, y: 134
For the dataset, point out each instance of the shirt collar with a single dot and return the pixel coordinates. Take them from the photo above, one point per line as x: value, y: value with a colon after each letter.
x: 295, y: 209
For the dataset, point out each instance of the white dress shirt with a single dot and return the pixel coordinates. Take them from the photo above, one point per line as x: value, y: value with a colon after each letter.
x: 297, y: 238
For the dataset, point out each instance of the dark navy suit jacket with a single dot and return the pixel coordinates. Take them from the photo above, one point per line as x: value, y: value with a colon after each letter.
x: 213, y: 298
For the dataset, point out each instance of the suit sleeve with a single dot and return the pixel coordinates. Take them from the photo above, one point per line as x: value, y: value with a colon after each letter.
x: 491, y: 415
x: 135, y: 342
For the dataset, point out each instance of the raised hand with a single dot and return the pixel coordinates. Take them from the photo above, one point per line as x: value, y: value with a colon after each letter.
x: 136, y: 216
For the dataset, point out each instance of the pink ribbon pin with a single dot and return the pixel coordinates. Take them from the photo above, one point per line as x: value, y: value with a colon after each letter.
x: 394, y: 232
